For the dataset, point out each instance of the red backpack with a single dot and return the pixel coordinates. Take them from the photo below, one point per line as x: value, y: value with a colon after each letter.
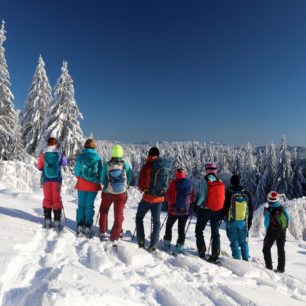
x: 215, y: 195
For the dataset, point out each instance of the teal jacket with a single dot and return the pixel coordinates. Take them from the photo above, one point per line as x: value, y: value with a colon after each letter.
x: 92, y: 154
x: 104, y: 181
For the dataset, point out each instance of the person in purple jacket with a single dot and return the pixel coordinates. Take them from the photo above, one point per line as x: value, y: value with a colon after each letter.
x: 50, y: 162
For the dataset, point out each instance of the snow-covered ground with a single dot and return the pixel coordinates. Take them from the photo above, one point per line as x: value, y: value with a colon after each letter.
x: 39, y: 267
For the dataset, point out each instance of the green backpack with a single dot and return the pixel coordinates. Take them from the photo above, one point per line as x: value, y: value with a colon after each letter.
x: 278, y: 218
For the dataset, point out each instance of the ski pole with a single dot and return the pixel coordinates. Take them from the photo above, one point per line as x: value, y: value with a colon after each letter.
x: 64, y: 215
x: 133, y: 234
x: 209, y: 245
x: 97, y: 218
x: 188, y: 224
x: 164, y: 222
x: 151, y: 226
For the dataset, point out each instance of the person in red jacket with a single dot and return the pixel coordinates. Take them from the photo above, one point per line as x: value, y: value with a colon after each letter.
x: 50, y: 162
x: 210, y: 203
x: 148, y: 202
x: 179, y: 197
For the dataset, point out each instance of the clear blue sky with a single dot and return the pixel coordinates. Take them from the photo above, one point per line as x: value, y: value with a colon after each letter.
x: 224, y: 71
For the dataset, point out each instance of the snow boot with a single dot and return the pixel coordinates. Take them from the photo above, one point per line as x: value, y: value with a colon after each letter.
x: 152, y: 248
x: 141, y: 244
x: 179, y: 248
x: 57, y: 226
x: 278, y: 271
x: 201, y: 253
x: 167, y: 245
x: 89, y: 233
x: 80, y: 230
x: 47, y: 224
x: 103, y: 237
x: 213, y: 259
x: 115, y: 245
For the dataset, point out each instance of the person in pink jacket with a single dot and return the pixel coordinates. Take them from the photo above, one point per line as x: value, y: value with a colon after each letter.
x: 49, y: 163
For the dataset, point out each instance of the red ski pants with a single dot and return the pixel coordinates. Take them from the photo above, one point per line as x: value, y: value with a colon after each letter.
x: 52, y: 195
x: 119, y: 201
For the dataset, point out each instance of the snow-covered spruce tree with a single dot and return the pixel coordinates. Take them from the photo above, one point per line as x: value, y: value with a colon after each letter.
x: 248, y: 172
x: 10, y: 143
x: 36, y: 107
x: 283, y: 175
x: 62, y: 120
x: 298, y: 179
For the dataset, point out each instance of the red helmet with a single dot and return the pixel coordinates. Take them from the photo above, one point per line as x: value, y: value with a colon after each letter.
x: 211, y: 168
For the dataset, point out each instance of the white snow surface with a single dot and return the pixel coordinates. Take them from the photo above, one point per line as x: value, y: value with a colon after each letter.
x: 40, y: 267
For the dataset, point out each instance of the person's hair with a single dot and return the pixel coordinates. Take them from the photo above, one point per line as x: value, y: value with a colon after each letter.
x: 180, y: 170
x: 154, y: 152
x: 52, y: 141
x: 90, y: 144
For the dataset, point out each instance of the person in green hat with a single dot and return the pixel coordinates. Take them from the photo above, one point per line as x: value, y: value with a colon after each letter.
x: 115, y: 177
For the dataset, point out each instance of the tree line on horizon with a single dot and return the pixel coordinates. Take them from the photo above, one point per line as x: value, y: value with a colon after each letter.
x: 56, y: 114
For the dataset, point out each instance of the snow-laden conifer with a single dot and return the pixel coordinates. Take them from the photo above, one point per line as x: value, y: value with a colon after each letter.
x: 36, y: 107
x: 283, y: 175
x: 10, y: 145
x: 248, y: 172
x: 62, y: 120
x: 298, y: 179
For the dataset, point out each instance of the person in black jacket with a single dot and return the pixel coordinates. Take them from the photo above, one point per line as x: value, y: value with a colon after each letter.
x: 238, y: 211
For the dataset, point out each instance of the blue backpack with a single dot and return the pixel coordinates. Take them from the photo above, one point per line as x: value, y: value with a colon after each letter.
x: 90, y: 167
x: 182, y: 200
x: 117, y: 178
x: 51, y: 165
x: 159, y: 177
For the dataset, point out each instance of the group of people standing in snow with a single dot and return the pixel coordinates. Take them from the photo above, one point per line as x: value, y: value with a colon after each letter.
x: 215, y: 203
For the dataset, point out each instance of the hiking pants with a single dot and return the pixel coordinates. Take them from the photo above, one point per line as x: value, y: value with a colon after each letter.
x: 237, y: 234
x: 182, y: 220
x: 214, y: 217
x: 52, y: 195
x: 142, y: 210
x: 85, y: 210
x: 280, y: 237
x: 119, y: 201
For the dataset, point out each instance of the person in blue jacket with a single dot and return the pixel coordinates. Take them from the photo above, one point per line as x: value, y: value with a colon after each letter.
x: 276, y: 220
x: 88, y: 168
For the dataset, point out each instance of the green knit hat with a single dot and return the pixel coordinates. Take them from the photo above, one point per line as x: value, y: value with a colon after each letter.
x: 117, y: 151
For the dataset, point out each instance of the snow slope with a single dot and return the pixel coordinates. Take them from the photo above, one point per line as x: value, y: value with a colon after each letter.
x: 39, y: 267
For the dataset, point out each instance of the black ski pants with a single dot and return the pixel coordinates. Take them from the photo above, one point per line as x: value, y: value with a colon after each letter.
x: 280, y: 237
x: 215, y: 218
x: 182, y: 220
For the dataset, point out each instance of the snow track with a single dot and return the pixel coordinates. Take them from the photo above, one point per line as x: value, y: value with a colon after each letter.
x: 50, y: 269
